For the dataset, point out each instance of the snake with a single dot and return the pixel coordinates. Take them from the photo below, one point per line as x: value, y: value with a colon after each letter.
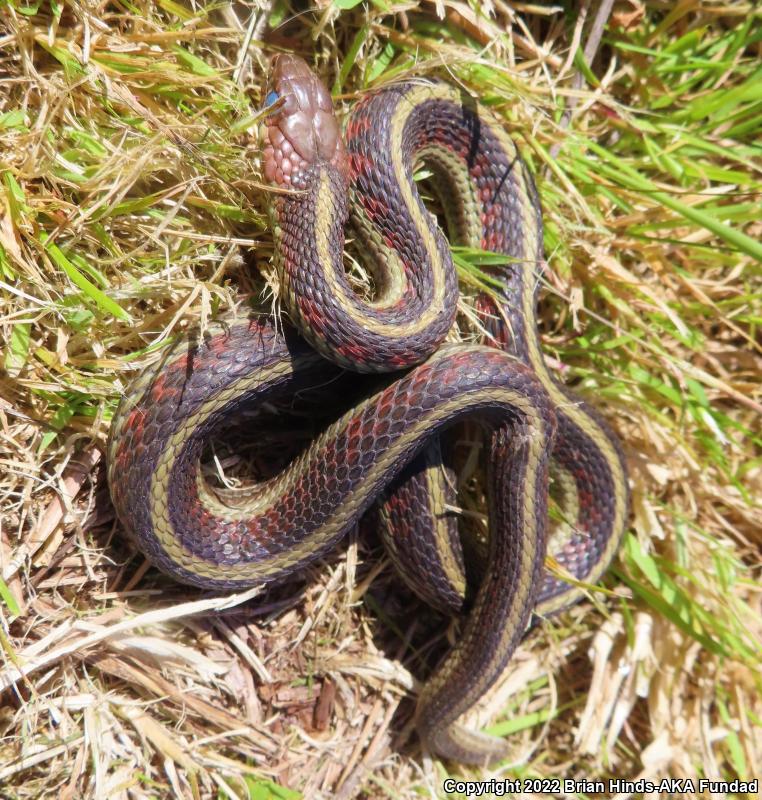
x: 383, y: 449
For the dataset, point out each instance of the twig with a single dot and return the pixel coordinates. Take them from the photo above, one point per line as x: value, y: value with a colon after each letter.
x: 11, y: 675
x: 589, y: 51
x: 74, y: 477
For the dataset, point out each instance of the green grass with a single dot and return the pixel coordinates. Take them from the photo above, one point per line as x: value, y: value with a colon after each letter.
x: 130, y: 194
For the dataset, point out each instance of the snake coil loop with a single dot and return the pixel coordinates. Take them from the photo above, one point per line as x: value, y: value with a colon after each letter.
x: 384, y: 448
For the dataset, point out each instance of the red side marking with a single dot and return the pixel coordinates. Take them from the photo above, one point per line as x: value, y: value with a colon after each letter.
x: 353, y: 351
x: 492, y: 241
x: 586, y: 504
x: 136, y: 420
x: 370, y: 207
x: 270, y: 522
x: 374, y: 207
x: 359, y: 124
x: 205, y: 519
x: 181, y: 365
x: 354, y: 431
x: 122, y: 456
x: 359, y: 164
x: 219, y: 343
x: 157, y: 390
x: 313, y: 315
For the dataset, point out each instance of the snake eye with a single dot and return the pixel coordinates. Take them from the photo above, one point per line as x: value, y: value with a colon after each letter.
x: 271, y: 99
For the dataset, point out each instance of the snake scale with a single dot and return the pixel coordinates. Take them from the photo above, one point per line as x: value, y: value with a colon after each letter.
x: 385, y: 447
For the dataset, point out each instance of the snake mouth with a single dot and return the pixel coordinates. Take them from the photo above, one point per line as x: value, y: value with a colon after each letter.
x: 303, y: 130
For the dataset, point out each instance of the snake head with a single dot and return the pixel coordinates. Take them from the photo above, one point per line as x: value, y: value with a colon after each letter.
x: 302, y: 130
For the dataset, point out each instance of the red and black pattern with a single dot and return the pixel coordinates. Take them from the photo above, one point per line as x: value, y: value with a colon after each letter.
x: 506, y: 192
x: 161, y: 427
x: 330, y: 472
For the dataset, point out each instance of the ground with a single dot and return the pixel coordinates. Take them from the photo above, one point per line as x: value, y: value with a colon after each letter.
x: 131, y: 208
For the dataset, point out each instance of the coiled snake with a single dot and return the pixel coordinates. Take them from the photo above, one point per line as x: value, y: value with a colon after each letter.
x: 377, y: 448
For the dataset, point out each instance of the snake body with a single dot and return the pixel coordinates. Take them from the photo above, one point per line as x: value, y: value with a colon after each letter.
x: 377, y: 449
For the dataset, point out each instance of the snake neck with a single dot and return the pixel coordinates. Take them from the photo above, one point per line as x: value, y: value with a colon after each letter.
x: 415, y: 307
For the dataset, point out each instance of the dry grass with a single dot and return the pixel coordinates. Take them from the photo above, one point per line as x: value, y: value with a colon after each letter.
x: 130, y: 208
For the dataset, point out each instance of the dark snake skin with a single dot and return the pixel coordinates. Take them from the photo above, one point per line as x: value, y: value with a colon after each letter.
x: 164, y: 420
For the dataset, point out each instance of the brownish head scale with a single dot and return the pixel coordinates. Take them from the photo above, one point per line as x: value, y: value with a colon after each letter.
x: 302, y: 131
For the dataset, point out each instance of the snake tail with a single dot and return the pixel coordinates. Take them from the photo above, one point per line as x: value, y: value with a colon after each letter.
x: 382, y: 444
x: 161, y: 497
